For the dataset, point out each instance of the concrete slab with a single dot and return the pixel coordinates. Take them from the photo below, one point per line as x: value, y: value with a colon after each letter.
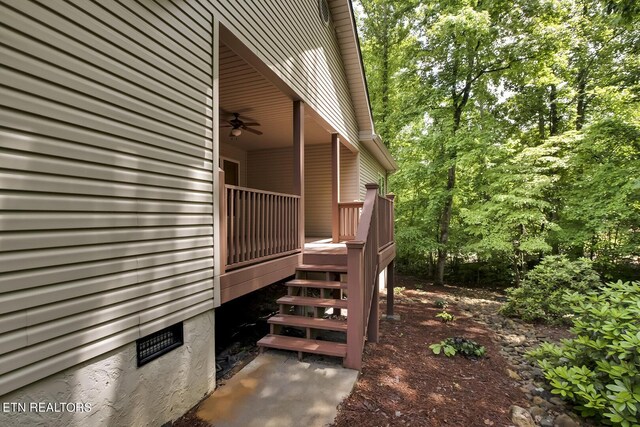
x: 277, y: 390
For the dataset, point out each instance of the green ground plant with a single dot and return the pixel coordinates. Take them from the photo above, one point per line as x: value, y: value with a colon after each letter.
x: 446, y: 317
x: 459, y: 345
x: 599, y: 369
x: 441, y: 303
x: 540, y: 297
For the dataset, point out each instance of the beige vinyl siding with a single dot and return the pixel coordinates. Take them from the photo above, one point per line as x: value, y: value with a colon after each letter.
x: 271, y: 170
x: 317, y: 190
x: 370, y: 171
x: 105, y: 178
x: 291, y: 39
x: 351, y: 60
x: 349, y: 180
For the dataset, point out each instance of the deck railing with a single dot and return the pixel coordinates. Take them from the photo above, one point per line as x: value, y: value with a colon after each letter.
x: 363, y: 270
x: 349, y: 218
x: 260, y: 225
x: 385, y: 220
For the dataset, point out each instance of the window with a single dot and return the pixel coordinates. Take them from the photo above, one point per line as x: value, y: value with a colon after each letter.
x: 159, y: 343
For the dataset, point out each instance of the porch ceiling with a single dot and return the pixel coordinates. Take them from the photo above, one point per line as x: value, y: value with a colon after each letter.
x: 245, y: 91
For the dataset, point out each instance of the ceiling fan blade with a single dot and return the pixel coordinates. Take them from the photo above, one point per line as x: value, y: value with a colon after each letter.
x: 257, y: 132
x: 226, y: 126
x: 252, y: 124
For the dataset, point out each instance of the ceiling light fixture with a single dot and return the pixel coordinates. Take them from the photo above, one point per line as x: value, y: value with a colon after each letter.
x: 236, y: 132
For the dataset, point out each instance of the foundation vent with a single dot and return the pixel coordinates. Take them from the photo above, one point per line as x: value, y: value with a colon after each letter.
x: 155, y: 345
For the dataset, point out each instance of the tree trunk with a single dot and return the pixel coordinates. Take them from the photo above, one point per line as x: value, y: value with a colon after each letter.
x: 541, y: 124
x: 516, y: 270
x: 445, y: 220
x: 384, y: 84
x: 581, y: 104
x: 554, y: 120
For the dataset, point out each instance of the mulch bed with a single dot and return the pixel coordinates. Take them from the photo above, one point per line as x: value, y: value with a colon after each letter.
x: 403, y: 383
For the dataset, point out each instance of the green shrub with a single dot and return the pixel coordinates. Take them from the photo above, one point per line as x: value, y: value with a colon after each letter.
x: 599, y: 369
x: 441, y: 303
x: 398, y: 290
x: 539, y: 298
x: 458, y: 345
x: 446, y: 317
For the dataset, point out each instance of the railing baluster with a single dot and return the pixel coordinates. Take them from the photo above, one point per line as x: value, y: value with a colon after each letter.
x: 230, y: 220
x: 288, y: 229
x: 262, y: 221
x: 260, y: 225
x: 236, y: 224
x: 252, y: 222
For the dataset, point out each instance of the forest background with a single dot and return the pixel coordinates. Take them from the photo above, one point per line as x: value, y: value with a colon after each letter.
x: 516, y: 125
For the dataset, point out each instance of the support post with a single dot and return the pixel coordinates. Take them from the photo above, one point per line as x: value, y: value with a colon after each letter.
x: 373, y: 328
x: 298, y: 164
x: 335, y: 188
x: 213, y: 111
x: 222, y: 204
x: 390, y: 287
x: 355, y: 305
x: 392, y: 217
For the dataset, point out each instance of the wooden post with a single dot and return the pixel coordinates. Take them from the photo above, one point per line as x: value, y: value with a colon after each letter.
x: 373, y: 329
x: 335, y: 188
x: 373, y: 188
x: 222, y: 206
x: 390, y: 286
x: 373, y: 325
x: 355, y: 305
x: 298, y: 164
x: 391, y: 266
x: 392, y: 197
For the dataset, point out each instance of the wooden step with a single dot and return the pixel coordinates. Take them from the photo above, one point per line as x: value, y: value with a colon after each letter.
x: 323, y: 267
x: 328, y: 348
x: 324, y: 258
x: 309, y: 322
x: 319, y: 284
x: 313, y: 302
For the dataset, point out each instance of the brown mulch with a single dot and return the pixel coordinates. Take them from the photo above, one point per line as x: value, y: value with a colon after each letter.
x: 403, y: 383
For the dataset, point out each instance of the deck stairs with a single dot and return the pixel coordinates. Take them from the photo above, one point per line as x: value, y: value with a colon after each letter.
x: 312, y: 316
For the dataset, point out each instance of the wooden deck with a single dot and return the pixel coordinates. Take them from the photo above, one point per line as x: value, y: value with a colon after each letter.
x: 323, y: 245
x: 241, y: 281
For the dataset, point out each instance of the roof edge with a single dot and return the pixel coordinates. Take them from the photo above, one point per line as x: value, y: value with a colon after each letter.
x: 363, y: 74
x: 374, y: 144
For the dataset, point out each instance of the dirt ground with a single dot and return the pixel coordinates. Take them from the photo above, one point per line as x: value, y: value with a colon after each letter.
x: 404, y: 384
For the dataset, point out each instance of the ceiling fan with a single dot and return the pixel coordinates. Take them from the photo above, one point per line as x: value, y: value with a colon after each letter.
x: 237, y: 126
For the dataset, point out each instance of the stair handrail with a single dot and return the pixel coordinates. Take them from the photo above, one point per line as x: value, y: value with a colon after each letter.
x: 362, y: 289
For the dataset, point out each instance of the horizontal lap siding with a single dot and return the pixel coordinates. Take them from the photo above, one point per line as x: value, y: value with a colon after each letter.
x: 292, y: 40
x: 349, y: 181
x: 105, y: 178
x: 370, y: 171
x: 271, y: 170
x: 317, y: 190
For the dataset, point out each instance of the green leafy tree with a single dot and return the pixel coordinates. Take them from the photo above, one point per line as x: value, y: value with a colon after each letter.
x: 515, y: 125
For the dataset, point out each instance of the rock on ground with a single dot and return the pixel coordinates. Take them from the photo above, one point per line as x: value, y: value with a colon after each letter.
x: 521, y: 417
